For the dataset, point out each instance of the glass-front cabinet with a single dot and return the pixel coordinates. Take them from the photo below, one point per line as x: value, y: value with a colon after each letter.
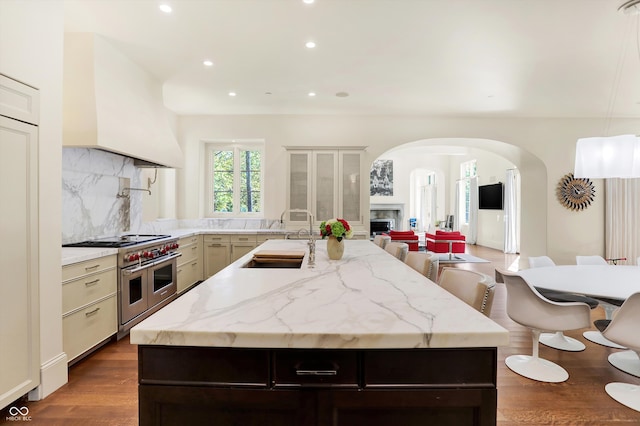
x: 299, y: 185
x: 326, y: 182
x: 351, y: 190
x: 325, y: 185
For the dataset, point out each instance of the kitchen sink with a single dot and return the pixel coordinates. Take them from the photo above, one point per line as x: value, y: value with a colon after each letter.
x: 276, y: 259
x: 275, y: 264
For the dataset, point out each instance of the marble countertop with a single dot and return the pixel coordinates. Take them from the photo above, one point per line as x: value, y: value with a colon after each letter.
x: 186, y: 232
x: 368, y: 299
x: 72, y: 255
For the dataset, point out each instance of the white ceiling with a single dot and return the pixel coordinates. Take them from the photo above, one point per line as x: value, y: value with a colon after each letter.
x: 484, y: 58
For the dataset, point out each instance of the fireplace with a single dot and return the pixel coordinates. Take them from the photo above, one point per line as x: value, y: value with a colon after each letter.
x: 380, y: 226
x: 386, y: 215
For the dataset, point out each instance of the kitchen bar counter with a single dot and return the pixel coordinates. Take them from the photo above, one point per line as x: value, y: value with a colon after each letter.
x: 367, y: 299
x: 362, y: 340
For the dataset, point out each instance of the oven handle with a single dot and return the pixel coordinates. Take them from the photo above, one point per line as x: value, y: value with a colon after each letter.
x: 130, y: 271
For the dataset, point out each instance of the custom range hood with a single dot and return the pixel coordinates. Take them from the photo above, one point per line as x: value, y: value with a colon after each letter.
x: 112, y: 104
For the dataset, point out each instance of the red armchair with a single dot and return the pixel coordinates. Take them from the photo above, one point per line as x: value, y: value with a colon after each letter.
x: 434, y: 245
x: 408, y: 237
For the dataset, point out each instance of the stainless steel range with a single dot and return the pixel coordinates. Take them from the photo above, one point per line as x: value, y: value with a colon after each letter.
x: 147, y: 274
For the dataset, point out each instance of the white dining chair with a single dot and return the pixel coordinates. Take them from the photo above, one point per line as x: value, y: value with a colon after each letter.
x: 530, y: 309
x: 540, y: 261
x: 623, y: 329
x: 558, y: 340
x: 594, y: 335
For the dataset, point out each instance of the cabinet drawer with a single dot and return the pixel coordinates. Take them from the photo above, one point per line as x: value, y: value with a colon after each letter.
x: 79, y: 269
x: 315, y: 368
x: 86, y: 328
x: 203, y: 366
x: 88, y: 289
x: 190, y: 252
x: 194, y: 239
x: 243, y: 238
x: 261, y: 238
x: 430, y: 367
x: 188, y: 273
x: 216, y: 238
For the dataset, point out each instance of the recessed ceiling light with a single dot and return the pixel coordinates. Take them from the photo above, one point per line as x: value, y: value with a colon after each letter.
x: 232, y: 93
x: 207, y: 63
x: 310, y: 44
x: 165, y: 8
x: 312, y: 94
x: 308, y: 1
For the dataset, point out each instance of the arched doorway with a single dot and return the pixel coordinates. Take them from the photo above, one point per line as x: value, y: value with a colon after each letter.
x: 442, y: 157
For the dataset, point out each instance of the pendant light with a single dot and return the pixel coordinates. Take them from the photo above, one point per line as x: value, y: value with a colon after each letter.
x: 611, y: 156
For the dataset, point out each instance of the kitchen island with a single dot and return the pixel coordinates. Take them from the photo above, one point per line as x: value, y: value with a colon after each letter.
x: 362, y: 340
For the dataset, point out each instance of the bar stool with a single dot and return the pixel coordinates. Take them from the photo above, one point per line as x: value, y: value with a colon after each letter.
x: 398, y: 250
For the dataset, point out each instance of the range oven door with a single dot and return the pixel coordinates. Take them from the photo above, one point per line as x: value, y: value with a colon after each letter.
x: 162, y: 281
x: 133, y: 296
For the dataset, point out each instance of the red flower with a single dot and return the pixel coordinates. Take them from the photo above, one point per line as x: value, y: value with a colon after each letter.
x: 345, y: 223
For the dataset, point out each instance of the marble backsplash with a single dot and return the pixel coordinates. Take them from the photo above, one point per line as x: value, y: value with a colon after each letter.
x: 165, y: 225
x: 91, y: 183
x: 91, y: 207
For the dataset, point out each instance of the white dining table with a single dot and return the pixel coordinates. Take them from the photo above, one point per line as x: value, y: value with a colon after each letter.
x: 606, y: 281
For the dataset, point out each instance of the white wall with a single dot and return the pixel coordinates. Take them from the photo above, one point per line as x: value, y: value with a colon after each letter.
x: 491, y: 168
x: 31, y: 46
x: 542, y: 149
x: 405, y: 161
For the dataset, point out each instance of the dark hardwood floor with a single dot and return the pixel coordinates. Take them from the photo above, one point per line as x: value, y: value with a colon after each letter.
x: 102, y: 389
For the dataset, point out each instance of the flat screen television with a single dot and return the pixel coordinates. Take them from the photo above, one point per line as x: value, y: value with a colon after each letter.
x: 491, y: 197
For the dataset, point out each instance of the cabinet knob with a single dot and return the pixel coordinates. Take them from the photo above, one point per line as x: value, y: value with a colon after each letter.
x: 95, y: 311
x: 316, y: 372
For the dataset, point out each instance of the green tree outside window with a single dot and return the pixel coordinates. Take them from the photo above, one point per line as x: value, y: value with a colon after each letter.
x: 236, y: 179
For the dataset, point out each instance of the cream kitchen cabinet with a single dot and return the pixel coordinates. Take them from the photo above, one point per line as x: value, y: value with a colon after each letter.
x: 242, y: 244
x: 19, y: 288
x: 220, y: 250
x: 327, y: 182
x: 89, y: 305
x: 217, y: 253
x: 190, y: 264
x: 261, y: 238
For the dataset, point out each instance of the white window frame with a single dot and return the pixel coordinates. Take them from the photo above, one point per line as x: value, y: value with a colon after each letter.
x: 236, y: 147
x: 464, y: 205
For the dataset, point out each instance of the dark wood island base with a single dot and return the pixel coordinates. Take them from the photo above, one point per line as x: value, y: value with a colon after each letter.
x: 296, y: 387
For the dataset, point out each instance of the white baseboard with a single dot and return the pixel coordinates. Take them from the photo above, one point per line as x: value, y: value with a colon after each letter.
x: 53, y: 375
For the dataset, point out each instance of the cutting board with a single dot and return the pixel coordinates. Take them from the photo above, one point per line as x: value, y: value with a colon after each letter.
x: 279, y: 254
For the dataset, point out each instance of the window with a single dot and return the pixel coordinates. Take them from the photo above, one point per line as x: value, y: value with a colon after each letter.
x: 234, y: 179
x: 467, y: 171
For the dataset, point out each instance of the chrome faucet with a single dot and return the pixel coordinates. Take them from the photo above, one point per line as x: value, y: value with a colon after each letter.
x: 312, y: 240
